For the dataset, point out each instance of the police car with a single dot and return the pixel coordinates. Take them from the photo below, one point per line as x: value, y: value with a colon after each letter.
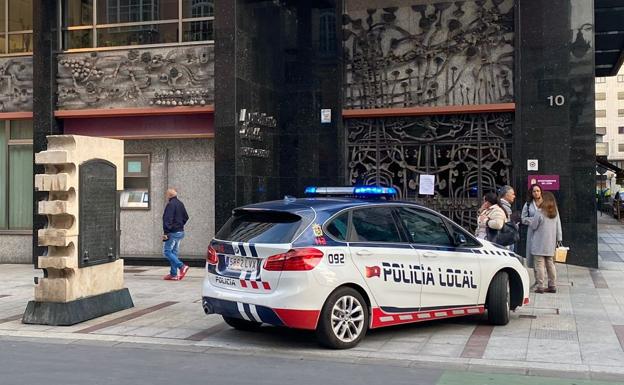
x: 343, y: 265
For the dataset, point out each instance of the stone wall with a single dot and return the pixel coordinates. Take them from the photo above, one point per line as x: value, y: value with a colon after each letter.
x: 16, y: 249
x: 190, y: 169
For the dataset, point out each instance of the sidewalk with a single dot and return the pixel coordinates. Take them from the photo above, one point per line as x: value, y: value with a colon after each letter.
x: 578, y: 332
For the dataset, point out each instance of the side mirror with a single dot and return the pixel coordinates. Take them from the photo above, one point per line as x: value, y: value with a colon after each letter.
x: 460, y: 239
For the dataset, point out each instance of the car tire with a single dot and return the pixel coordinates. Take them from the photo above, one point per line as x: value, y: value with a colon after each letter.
x: 241, y: 324
x: 498, y: 299
x: 344, y: 319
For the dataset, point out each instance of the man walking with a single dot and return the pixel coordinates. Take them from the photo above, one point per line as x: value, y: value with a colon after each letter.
x: 174, y: 219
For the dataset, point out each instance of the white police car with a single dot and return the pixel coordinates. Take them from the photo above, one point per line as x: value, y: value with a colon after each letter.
x: 342, y: 265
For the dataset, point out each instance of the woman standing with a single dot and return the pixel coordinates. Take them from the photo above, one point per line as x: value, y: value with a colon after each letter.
x: 546, y: 227
x: 530, y: 209
x: 491, y: 217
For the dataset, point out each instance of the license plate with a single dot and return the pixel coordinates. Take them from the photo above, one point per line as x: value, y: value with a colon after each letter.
x: 242, y: 264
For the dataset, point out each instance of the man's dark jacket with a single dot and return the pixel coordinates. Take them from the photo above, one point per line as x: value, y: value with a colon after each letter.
x: 174, y: 217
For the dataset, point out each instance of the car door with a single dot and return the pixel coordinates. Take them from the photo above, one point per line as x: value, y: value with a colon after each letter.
x: 451, y: 273
x: 385, y: 259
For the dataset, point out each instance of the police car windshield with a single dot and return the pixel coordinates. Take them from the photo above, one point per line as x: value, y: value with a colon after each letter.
x: 262, y: 226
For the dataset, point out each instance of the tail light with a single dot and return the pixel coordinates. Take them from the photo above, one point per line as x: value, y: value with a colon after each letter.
x: 211, y: 256
x: 294, y: 260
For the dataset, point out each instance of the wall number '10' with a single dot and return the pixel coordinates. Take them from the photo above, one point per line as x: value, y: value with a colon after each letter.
x: 557, y: 100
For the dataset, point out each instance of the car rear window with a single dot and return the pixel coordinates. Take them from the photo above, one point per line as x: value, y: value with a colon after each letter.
x: 261, y: 227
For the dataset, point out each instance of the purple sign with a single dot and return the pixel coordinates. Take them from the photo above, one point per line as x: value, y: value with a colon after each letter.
x: 547, y: 182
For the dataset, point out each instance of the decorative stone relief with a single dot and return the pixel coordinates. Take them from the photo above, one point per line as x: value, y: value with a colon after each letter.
x: 16, y: 84
x: 164, y: 77
x: 443, y: 53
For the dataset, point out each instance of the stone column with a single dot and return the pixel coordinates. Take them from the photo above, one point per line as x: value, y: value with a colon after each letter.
x: 45, y: 43
x: 555, y: 113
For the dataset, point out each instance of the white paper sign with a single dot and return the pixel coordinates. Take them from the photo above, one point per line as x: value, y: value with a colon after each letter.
x: 426, y: 185
x: 532, y: 164
x: 326, y: 115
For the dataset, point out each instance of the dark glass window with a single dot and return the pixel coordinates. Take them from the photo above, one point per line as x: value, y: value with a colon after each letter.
x: 261, y: 227
x: 425, y: 228
x: 374, y: 224
x: 471, y: 241
x: 117, y: 23
x: 16, y: 26
x: 338, y: 227
x: 197, y: 8
x: 77, y: 12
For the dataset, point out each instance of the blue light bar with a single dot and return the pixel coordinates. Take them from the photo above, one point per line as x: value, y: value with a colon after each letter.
x: 355, y: 191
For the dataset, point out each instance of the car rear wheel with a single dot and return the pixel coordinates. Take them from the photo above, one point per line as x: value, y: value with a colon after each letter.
x: 241, y: 324
x: 498, y: 299
x: 344, y: 319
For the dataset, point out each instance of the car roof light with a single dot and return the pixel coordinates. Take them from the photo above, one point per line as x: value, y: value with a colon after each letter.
x: 355, y: 191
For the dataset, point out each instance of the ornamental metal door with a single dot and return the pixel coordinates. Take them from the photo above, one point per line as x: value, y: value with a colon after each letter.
x: 469, y: 155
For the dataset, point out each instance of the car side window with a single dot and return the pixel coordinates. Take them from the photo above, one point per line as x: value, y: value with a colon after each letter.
x: 470, y: 240
x: 374, y: 224
x: 425, y: 228
x: 338, y: 227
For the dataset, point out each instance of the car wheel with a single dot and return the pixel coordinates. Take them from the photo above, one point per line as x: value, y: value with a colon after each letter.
x: 241, y: 324
x: 498, y: 299
x: 344, y: 319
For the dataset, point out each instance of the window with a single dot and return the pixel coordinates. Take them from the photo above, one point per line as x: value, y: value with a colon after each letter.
x: 16, y: 175
x: 327, y: 33
x: 621, y: 95
x: 601, y: 113
x: 601, y: 96
x: 620, y: 130
x: 15, y: 26
x: 374, y: 225
x: 136, y: 182
x: 621, y: 113
x: 620, y: 78
x: 601, y: 80
x: 621, y: 147
x: 115, y: 23
x: 338, y: 227
x: 425, y: 228
x: 470, y: 240
x: 262, y: 227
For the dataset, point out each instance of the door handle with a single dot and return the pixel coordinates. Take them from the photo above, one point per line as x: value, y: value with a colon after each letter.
x: 364, y: 253
x: 430, y: 255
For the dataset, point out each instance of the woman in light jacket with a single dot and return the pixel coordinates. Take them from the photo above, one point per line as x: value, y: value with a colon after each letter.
x: 530, y: 209
x: 491, y: 217
x: 546, y: 227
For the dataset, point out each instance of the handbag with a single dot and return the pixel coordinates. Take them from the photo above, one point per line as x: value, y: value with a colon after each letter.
x: 561, y: 254
x: 507, y: 235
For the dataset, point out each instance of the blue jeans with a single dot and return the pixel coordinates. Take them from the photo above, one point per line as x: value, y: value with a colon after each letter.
x: 170, y: 251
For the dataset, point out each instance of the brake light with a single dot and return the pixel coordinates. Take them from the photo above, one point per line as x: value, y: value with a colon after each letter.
x: 294, y: 260
x: 211, y: 256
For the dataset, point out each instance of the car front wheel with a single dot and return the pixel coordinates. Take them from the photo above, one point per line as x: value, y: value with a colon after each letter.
x: 498, y: 299
x: 344, y: 319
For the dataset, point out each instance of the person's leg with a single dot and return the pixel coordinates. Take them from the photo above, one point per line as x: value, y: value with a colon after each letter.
x: 552, y: 272
x: 167, y: 253
x: 175, y: 248
x: 539, y: 272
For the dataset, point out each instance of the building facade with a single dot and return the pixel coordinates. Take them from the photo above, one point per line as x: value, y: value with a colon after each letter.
x: 237, y: 101
x: 610, y: 118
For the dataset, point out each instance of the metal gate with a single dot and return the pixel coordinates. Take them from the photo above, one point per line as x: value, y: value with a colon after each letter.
x: 469, y: 155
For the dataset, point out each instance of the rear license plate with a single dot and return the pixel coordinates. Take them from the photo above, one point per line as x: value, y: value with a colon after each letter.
x: 242, y: 264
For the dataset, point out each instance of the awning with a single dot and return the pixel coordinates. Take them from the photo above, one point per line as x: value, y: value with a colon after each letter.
x: 602, y: 165
x: 609, y: 36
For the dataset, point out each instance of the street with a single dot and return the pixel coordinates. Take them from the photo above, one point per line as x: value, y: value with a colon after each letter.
x: 94, y: 363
